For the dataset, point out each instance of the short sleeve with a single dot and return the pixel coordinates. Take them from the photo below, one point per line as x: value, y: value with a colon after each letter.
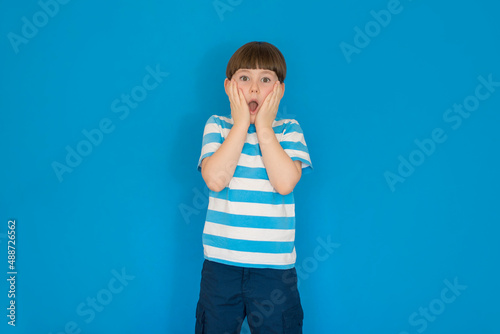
x: 212, y: 139
x: 294, y: 144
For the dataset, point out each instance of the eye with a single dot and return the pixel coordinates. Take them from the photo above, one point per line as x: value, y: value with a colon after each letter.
x: 244, y: 78
x: 266, y: 79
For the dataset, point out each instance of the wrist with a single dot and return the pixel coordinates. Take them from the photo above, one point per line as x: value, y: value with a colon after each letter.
x: 240, y: 127
x: 265, y: 133
x: 263, y: 123
x: 263, y: 128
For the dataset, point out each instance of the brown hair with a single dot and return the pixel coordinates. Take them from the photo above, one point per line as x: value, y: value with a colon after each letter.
x: 257, y: 55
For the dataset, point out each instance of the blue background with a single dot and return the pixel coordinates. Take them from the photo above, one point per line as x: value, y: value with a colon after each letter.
x: 136, y: 202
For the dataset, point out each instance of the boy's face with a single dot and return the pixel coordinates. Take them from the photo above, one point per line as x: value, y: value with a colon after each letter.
x: 256, y: 85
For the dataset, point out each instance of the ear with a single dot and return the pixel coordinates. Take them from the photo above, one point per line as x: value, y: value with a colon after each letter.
x: 226, y: 83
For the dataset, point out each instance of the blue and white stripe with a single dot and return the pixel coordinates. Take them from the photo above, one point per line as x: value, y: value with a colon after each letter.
x: 249, y: 223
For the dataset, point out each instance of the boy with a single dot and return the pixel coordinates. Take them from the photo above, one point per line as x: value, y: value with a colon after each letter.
x: 251, y: 162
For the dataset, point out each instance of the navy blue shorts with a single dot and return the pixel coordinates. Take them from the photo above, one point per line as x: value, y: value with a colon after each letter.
x: 267, y: 297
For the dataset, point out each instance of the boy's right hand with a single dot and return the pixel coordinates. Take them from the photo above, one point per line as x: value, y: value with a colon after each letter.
x: 239, y: 107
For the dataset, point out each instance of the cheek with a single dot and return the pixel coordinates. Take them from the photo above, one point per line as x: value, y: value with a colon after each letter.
x: 266, y: 91
x: 242, y: 86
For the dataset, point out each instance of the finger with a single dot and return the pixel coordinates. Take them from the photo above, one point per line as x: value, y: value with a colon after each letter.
x: 274, y: 99
x: 271, y: 98
x: 279, y: 89
x: 241, y: 96
x: 276, y: 87
x: 234, y: 92
x: 241, y: 99
x: 267, y: 101
x: 237, y: 93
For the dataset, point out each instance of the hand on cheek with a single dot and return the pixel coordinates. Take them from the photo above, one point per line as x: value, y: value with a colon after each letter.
x: 269, y: 109
x: 239, y: 108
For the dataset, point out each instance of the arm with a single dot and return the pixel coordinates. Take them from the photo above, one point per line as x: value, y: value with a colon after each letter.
x: 218, y: 169
x: 283, y: 172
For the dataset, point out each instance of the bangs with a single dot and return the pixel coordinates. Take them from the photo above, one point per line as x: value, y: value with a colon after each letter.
x: 257, y: 55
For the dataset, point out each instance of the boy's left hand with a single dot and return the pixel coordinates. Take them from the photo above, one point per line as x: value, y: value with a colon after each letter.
x: 269, y: 109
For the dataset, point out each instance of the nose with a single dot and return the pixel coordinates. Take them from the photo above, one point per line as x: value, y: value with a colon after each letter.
x: 254, y: 88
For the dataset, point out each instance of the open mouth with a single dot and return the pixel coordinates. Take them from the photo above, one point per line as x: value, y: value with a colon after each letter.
x: 252, y: 105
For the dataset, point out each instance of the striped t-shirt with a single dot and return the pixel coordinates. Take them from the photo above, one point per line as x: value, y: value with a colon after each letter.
x: 248, y: 223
